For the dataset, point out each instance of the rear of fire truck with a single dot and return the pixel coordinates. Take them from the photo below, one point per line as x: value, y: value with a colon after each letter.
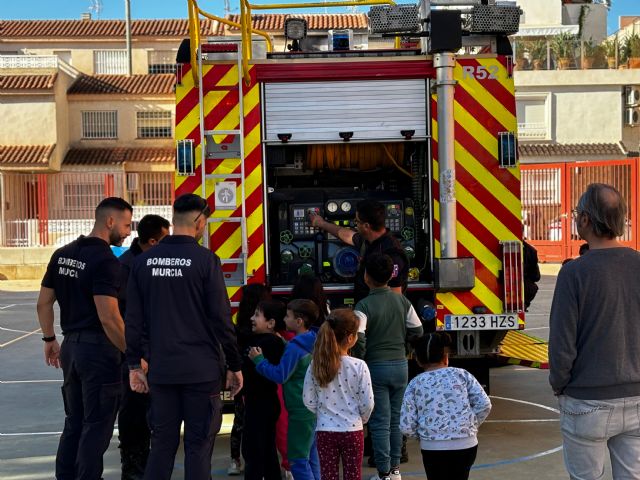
x: 427, y: 128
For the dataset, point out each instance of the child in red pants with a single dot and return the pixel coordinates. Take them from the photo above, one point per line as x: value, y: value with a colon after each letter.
x: 337, y: 388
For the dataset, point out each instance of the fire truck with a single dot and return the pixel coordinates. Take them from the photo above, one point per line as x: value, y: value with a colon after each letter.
x: 427, y: 128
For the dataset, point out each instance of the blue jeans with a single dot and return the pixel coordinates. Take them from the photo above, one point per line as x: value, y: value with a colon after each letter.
x: 306, y: 468
x: 589, y: 427
x: 389, y: 381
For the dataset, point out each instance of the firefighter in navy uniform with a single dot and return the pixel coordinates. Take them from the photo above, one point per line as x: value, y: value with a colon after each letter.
x: 370, y: 237
x: 134, y: 433
x: 178, y: 313
x: 83, y: 277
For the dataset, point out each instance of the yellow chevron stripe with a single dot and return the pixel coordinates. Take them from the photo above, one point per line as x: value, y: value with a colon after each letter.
x: 503, y: 76
x: 256, y: 259
x: 230, y: 78
x: 494, y: 186
x: 254, y: 220
x: 484, y: 98
x: 453, y: 303
x: 484, y: 176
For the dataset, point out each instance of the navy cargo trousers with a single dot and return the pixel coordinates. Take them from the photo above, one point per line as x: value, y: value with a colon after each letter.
x: 91, y: 367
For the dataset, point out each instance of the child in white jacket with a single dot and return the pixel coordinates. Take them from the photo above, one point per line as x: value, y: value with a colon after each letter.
x: 443, y: 408
x: 337, y: 388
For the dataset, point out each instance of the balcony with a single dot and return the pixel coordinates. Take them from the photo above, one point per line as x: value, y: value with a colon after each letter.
x: 533, y: 131
x: 28, y: 62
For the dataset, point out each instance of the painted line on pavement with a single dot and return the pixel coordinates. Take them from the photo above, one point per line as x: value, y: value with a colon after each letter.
x: 9, y: 382
x: 2, y: 345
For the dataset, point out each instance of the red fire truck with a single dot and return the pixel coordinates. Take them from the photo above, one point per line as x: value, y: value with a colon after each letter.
x: 427, y: 131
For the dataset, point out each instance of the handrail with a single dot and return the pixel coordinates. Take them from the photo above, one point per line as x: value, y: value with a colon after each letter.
x: 194, y: 36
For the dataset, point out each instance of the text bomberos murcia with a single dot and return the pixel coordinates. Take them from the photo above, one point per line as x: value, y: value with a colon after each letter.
x: 169, y: 265
x: 69, y: 267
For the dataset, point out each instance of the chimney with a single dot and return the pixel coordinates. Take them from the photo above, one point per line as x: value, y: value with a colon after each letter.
x: 85, y: 16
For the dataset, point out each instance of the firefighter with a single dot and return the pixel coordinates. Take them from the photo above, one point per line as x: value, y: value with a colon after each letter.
x: 83, y: 277
x: 133, y: 430
x: 370, y: 237
x: 178, y: 313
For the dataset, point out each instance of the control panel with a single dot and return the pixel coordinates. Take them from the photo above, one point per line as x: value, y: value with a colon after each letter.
x: 306, y: 249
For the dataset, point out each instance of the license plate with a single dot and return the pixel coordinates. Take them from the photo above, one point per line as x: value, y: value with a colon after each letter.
x: 481, y: 322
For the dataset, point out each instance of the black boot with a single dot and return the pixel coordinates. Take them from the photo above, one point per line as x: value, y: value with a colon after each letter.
x: 133, y: 463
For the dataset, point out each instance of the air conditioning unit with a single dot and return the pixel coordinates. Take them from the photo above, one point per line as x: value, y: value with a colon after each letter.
x: 340, y: 40
x: 632, y: 116
x: 631, y: 95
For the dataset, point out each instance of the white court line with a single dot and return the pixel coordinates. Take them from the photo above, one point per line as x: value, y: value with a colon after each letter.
x: 9, y: 382
x: 2, y: 345
x: 4, y: 307
x: 524, y: 402
x: 12, y: 330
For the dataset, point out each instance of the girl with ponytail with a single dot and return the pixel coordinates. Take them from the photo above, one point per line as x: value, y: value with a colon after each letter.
x: 337, y: 388
x: 443, y: 407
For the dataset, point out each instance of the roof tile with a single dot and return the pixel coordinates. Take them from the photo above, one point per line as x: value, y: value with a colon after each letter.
x: 102, y: 28
x: 570, y: 149
x: 27, y: 82
x: 275, y: 21
x: 159, y: 84
x: 118, y: 155
x: 25, y: 154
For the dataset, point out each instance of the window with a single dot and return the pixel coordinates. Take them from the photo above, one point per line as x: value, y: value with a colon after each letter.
x: 100, y: 124
x: 110, y: 62
x: 82, y: 196
x: 533, y: 117
x: 154, y: 124
x: 162, y: 61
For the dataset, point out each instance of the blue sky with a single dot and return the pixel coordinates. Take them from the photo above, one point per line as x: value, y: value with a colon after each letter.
x: 65, y: 9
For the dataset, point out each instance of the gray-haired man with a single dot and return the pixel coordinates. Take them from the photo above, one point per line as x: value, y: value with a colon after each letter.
x: 594, y: 346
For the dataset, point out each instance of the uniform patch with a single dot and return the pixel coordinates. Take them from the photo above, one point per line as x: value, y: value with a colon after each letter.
x: 396, y: 270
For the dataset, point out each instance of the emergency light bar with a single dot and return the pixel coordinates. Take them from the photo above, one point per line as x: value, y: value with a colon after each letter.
x: 396, y: 18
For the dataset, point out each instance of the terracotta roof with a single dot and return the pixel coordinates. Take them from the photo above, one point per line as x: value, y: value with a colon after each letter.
x: 118, y: 155
x: 161, y: 84
x: 27, y: 82
x: 102, y: 29
x: 24, y: 155
x: 570, y: 149
x: 275, y: 21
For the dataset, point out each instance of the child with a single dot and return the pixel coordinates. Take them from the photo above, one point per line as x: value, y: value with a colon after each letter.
x: 261, y: 403
x: 252, y: 294
x: 443, y: 407
x: 386, y: 318
x: 310, y: 287
x: 338, y: 389
x: 290, y: 371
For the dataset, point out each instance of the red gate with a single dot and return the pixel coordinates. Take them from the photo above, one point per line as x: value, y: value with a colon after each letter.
x: 550, y: 191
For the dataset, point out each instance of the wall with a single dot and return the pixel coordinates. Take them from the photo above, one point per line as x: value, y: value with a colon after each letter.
x: 594, y: 25
x: 541, y: 12
x: 127, y: 108
x: 593, y: 96
x: 82, y: 52
x: 28, y: 119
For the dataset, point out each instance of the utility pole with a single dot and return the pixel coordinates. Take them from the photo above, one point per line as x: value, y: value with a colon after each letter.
x: 127, y: 20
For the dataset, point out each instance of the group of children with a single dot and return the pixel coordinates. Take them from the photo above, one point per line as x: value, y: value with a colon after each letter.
x: 340, y: 370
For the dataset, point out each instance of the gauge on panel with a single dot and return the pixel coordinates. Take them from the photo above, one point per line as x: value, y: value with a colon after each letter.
x: 345, y: 206
x: 332, y: 207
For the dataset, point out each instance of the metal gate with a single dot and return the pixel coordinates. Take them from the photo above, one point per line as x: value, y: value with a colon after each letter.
x: 551, y: 191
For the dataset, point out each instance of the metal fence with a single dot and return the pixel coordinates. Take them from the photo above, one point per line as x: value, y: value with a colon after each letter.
x: 53, y: 209
x: 551, y: 191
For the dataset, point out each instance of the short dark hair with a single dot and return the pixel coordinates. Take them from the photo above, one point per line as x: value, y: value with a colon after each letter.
x: 307, y: 310
x: 189, y: 202
x: 431, y: 347
x: 113, y: 203
x: 151, y: 226
x: 373, y: 213
x: 379, y: 268
x: 274, y: 309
